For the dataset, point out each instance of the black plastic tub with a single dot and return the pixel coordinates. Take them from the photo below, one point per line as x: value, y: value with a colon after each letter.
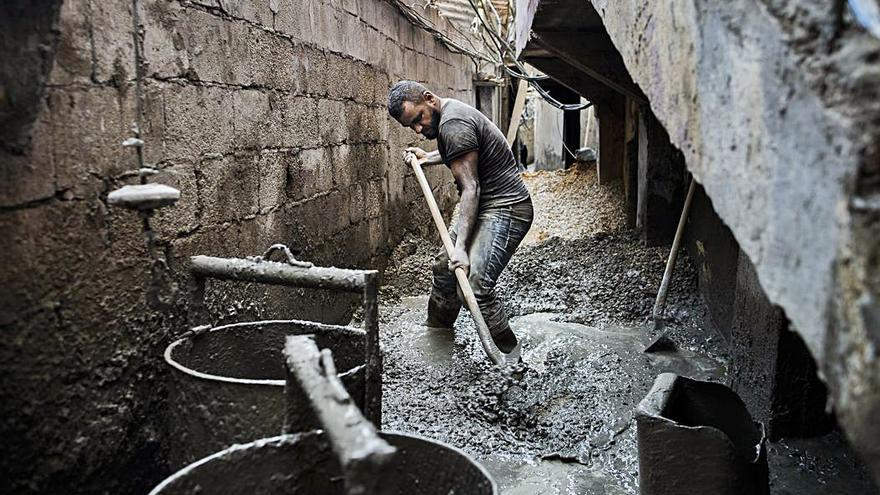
x: 698, y: 437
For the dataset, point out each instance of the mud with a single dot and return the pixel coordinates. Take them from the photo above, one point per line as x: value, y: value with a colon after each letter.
x: 562, y: 421
x: 580, y: 291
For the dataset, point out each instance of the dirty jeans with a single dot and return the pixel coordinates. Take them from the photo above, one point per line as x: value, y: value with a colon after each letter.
x: 496, y: 235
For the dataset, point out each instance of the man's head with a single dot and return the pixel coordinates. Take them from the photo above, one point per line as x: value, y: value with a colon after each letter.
x: 415, y: 107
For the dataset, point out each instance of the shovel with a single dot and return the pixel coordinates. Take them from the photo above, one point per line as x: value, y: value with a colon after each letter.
x: 492, y: 350
x: 663, y: 342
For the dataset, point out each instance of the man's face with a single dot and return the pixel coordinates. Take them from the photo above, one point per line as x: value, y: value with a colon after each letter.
x: 422, y: 117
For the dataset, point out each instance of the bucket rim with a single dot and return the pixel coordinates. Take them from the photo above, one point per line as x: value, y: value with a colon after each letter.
x: 253, y: 381
x: 295, y: 437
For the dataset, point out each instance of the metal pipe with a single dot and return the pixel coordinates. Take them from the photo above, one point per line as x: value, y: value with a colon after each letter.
x: 362, y: 454
x: 373, y: 378
x: 276, y: 273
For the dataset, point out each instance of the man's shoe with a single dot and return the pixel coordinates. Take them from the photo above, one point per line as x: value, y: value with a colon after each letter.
x: 506, y: 340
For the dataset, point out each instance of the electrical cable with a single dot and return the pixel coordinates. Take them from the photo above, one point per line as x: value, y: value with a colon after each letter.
x: 505, y: 49
x: 451, y: 44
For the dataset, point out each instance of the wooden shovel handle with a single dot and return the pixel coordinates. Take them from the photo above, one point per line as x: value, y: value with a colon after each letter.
x: 495, y: 354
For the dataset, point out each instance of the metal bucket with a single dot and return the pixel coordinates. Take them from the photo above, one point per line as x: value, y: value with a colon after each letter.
x: 227, y: 383
x: 305, y: 464
x: 698, y: 437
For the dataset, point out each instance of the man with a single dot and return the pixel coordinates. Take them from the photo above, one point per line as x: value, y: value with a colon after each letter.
x: 495, y: 210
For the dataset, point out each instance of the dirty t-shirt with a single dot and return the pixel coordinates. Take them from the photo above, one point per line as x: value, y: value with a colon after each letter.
x: 464, y: 128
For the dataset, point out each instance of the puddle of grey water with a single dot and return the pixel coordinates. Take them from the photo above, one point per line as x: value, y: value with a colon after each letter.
x: 545, y: 477
x: 541, y: 335
x: 583, y: 384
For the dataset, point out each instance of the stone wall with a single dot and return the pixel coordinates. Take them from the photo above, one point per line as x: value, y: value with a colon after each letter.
x: 270, y: 118
x: 774, y: 105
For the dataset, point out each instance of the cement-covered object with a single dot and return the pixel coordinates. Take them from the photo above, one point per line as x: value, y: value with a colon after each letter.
x: 227, y: 384
x: 305, y: 464
x: 698, y: 437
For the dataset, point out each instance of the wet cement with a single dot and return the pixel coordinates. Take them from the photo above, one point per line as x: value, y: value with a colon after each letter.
x: 579, y: 294
x: 561, y: 423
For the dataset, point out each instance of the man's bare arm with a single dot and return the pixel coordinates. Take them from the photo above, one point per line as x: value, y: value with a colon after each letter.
x: 464, y: 170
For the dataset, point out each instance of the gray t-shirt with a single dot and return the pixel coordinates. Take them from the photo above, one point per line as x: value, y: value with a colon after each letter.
x: 463, y: 128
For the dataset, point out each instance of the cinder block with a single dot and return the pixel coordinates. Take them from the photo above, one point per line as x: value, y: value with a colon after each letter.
x: 363, y: 88
x: 197, y: 120
x: 308, y: 173
x: 252, y: 116
x: 87, y: 130
x: 368, y: 11
x: 377, y: 197
x: 358, y: 206
x: 368, y: 161
x: 273, y: 61
x: 344, y: 168
x: 374, y: 44
x: 378, y: 234
x: 184, y: 216
x: 73, y: 55
x: 294, y: 19
x: 258, y: 12
x: 354, y: 37
x: 347, y: 248
x: 350, y: 6
x: 344, y: 80
x: 328, y: 27
x: 314, y: 70
x: 32, y: 177
x: 395, y: 185
x: 111, y: 24
x: 364, y: 124
x: 410, y: 65
x: 381, y: 87
x: 299, y: 126
x: 153, y: 122
x: 228, y: 188
x: 169, y: 30
x: 405, y: 33
x: 273, y: 179
x: 332, y: 121
x: 95, y: 43
x: 389, y: 19
x: 325, y: 215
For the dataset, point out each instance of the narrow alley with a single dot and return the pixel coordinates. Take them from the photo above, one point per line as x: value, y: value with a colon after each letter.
x: 472, y: 247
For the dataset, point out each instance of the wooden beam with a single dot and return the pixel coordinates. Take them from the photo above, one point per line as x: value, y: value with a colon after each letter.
x: 518, y: 105
x: 573, y: 79
x: 626, y: 88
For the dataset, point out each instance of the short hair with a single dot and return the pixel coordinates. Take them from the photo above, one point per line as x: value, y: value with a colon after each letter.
x: 410, y: 91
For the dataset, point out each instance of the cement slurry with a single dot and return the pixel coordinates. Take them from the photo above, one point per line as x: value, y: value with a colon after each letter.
x: 561, y: 423
x: 579, y: 294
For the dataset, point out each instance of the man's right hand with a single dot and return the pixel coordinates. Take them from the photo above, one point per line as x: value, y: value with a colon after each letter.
x: 420, y: 153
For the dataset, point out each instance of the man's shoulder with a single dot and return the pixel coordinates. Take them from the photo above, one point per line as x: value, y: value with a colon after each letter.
x: 456, y: 109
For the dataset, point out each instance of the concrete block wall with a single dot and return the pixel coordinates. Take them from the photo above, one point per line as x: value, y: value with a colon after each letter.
x: 770, y: 367
x: 270, y: 118
x: 774, y: 106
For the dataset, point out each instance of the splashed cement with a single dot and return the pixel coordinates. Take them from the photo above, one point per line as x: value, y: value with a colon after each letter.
x: 578, y: 294
x: 580, y: 290
x: 560, y: 423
